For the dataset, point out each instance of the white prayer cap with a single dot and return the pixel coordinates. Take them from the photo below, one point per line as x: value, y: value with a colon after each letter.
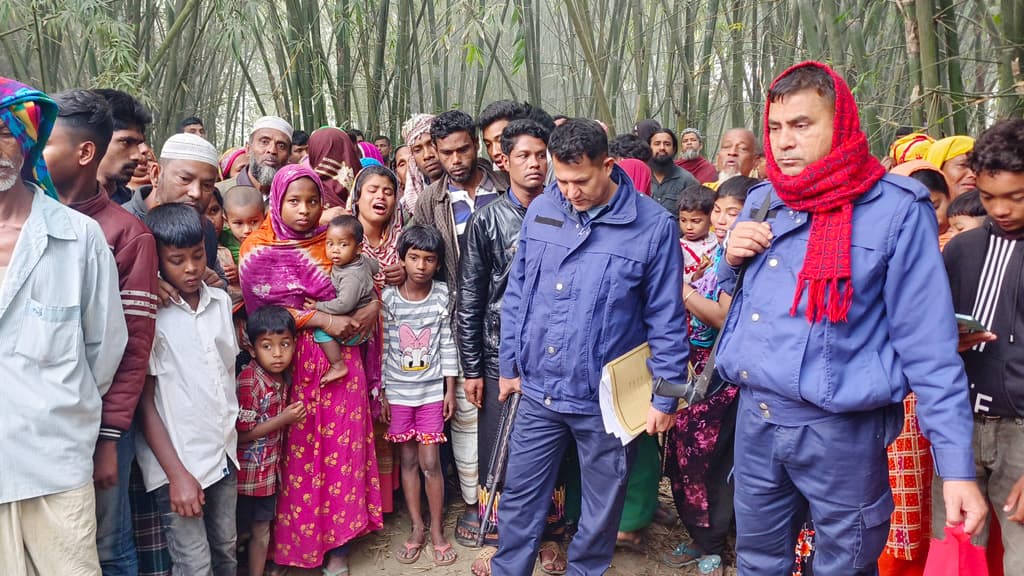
x: 189, y: 147
x: 273, y: 122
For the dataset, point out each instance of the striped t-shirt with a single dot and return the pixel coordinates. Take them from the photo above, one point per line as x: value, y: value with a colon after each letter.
x: 419, y: 348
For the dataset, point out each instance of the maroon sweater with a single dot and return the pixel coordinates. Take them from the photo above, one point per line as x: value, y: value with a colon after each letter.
x: 135, y: 253
x: 701, y: 169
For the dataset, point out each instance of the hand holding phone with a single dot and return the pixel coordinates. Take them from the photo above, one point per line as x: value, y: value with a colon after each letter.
x: 969, y: 323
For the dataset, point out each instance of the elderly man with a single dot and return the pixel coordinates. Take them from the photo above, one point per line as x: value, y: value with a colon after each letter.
x: 826, y: 337
x: 737, y: 154
x: 597, y: 271
x: 690, y: 158
x: 62, y: 333
x: 269, y: 148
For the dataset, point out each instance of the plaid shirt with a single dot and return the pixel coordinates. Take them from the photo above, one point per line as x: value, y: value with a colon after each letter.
x: 260, y: 398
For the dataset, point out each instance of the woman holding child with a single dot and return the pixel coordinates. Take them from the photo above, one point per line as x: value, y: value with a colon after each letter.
x: 330, y: 492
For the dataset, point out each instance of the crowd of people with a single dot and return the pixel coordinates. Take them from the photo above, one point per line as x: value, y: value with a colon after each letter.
x: 233, y: 361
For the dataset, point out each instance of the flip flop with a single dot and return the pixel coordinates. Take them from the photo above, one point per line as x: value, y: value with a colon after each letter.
x: 409, y: 553
x: 440, y: 553
x: 672, y: 559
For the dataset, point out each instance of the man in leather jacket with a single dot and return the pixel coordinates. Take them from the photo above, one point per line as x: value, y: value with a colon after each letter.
x: 490, y: 244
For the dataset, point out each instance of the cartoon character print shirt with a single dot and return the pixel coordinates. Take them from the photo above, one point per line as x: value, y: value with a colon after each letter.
x: 419, y: 348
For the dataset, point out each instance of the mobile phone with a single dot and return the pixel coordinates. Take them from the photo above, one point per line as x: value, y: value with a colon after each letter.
x: 970, y: 323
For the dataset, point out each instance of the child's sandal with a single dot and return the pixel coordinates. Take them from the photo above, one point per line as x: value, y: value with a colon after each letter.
x: 444, y: 555
x: 409, y: 553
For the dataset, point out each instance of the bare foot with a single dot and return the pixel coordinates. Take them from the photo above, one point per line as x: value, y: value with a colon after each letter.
x: 336, y: 372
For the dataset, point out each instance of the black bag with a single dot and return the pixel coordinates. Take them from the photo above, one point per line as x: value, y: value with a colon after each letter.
x: 708, y: 383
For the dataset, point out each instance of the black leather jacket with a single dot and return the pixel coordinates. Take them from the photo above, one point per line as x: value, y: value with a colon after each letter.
x: 491, y: 238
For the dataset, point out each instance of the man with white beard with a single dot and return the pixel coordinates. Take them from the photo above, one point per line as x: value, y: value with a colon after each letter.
x: 737, y: 154
x: 690, y: 159
x: 269, y: 148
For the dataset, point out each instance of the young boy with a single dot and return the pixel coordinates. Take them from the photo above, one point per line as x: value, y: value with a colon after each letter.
x: 215, y: 214
x: 695, y: 206
x: 352, y: 276
x: 243, y: 213
x: 188, y: 409
x: 420, y: 366
x: 986, y: 267
x: 262, y: 418
x: 965, y: 213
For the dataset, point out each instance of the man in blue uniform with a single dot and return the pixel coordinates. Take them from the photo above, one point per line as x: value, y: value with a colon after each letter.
x: 597, y: 272
x: 845, y: 309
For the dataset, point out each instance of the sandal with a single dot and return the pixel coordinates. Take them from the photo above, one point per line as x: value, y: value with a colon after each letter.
x: 635, y: 543
x: 682, y: 556
x: 555, y: 559
x: 710, y: 565
x: 482, y: 564
x: 409, y: 553
x: 442, y: 557
x: 466, y: 531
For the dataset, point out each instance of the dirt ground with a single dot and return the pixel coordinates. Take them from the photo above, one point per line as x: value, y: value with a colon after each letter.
x: 372, y: 555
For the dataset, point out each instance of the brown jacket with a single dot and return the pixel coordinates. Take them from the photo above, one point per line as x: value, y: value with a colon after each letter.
x: 434, y: 208
x: 135, y: 252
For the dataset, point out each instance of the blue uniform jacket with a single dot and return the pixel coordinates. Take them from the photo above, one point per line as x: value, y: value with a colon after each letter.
x: 901, y: 334
x: 581, y: 294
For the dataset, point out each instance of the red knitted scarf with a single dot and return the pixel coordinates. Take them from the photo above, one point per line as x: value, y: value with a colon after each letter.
x: 827, y: 189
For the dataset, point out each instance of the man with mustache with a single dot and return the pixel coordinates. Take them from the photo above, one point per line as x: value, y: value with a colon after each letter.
x: 425, y: 168
x: 187, y: 173
x: 269, y: 148
x: 127, y: 149
x: 62, y: 333
x: 826, y: 337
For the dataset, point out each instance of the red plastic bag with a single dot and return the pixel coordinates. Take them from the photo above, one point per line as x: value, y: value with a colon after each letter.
x: 955, y: 556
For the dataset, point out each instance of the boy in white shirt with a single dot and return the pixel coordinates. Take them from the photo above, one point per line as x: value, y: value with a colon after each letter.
x: 188, y: 408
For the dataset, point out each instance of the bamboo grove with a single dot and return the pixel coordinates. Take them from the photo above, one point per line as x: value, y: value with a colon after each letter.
x: 950, y: 66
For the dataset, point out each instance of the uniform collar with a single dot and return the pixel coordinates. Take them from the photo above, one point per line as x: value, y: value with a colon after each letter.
x: 621, y: 209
